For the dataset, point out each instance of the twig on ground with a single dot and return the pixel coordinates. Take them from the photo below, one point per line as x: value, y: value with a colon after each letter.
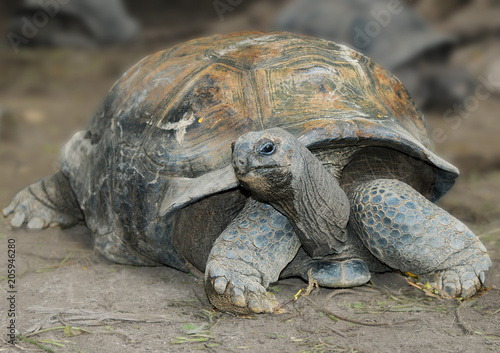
x: 84, y: 317
x: 302, y: 292
x: 343, y: 318
x: 202, y: 299
x: 463, y: 324
x: 335, y: 293
x: 35, y: 343
x: 431, y: 292
x: 340, y: 333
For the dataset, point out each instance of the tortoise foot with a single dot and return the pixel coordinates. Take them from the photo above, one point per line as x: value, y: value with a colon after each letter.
x: 236, y: 287
x: 341, y: 274
x: 330, y: 272
x: 44, y: 204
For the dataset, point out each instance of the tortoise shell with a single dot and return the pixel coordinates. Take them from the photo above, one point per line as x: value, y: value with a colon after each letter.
x: 162, y: 138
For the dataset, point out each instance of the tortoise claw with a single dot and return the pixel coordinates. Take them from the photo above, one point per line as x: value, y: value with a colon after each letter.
x: 236, y: 288
x: 220, y: 285
x: 36, y: 223
x: 460, y: 281
x: 18, y: 219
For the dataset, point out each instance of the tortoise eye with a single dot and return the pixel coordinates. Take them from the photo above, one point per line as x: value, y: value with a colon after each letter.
x: 267, y: 148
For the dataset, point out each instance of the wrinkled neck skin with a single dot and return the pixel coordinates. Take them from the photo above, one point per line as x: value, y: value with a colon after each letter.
x: 313, y: 202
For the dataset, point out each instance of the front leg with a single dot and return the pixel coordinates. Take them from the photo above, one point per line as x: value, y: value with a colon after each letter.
x: 250, y: 253
x: 408, y: 232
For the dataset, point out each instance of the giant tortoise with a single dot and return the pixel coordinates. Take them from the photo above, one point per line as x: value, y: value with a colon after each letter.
x: 252, y: 156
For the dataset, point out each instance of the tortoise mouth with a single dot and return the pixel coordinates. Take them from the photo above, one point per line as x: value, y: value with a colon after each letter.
x: 256, y: 170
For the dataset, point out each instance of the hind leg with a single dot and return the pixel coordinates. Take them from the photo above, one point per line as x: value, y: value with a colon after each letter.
x: 408, y: 232
x: 48, y: 202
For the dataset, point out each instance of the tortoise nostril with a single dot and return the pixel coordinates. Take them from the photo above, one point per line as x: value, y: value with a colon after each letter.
x: 239, y: 163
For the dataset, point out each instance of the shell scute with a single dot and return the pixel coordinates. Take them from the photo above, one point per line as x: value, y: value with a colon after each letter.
x: 181, y: 144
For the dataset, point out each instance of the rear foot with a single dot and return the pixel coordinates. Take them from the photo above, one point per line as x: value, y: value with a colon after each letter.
x: 48, y: 202
x: 342, y: 274
x: 329, y: 273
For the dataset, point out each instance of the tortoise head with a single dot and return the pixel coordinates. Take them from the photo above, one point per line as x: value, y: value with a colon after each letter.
x: 264, y: 161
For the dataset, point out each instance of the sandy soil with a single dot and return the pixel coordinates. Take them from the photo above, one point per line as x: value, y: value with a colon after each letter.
x: 70, y: 300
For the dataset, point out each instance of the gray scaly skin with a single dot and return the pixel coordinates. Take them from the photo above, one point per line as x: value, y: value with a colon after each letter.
x: 248, y: 255
x: 255, y: 248
x: 48, y: 202
x: 398, y: 225
x: 409, y: 233
x: 313, y: 211
x: 280, y: 171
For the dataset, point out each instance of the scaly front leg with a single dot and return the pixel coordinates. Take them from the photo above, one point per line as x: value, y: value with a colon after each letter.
x: 408, y: 232
x: 247, y: 256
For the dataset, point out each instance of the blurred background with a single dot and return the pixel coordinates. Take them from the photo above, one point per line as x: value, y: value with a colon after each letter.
x: 58, y: 59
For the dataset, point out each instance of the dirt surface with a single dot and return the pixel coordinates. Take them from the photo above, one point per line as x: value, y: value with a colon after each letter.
x: 70, y: 300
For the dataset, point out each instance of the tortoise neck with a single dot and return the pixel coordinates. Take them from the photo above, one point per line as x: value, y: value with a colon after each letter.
x: 317, y: 207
